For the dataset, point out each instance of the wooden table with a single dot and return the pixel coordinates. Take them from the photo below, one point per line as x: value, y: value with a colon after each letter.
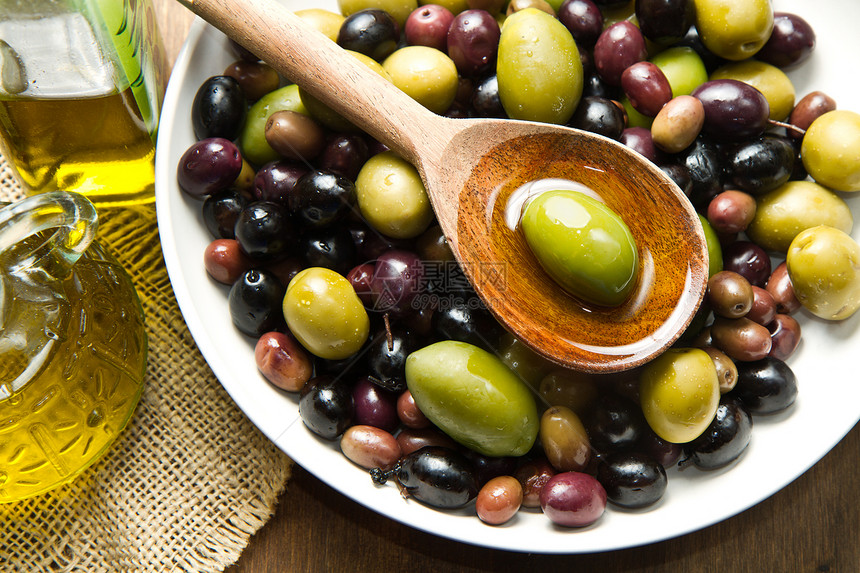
x: 812, y: 526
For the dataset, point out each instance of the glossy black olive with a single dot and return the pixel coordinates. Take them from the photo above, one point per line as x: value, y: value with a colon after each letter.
x: 329, y: 248
x: 704, y: 164
x: 765, y: 386
x: 615, y: 423
x: 263, y: 230
x: 725, y: 439
x: 373, y: 33
x: 386, y: 358
x: 219, y: 108
x: 326, y: 406
x: 437, y: 476
x: 221, y: 211
x: 599, y: 115
x: 321, y: 198
x: 760, y: 165
x: 485, y: 98
x: 664, y: 21
x: 632, y: 479
x: 466, y: 320
x: 255, y: 302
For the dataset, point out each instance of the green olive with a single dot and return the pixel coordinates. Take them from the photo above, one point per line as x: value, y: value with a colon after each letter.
x: 824, y: 267
x: 771, y: 81
x: 734, y: 29
x: 426, y: 74
x: 715, y: 251
x: 454, y: 6
x: 392, y: 197
x: 538, y: 68
x: 564, y: 439
x: 327, y: 116
x: 830, y: 150
x: 683, y: 67
x: 252, y: 140
x: 679, y: 392
x: 794, y: 207
x: 473, y: 397
x: 324, y: 21
x: 325, y: 314
x: 399, y: 9
x: 583, y: 245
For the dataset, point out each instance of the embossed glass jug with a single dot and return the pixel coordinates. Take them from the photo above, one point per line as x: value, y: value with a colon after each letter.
x: 72, y: 344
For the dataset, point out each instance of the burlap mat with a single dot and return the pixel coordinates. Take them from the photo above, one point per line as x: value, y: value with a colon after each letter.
x: 190, y: 479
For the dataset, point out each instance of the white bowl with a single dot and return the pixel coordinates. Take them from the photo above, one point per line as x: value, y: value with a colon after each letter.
x: 783, y: 446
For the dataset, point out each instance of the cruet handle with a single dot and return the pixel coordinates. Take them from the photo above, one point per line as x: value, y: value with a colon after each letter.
x: 72, y: 216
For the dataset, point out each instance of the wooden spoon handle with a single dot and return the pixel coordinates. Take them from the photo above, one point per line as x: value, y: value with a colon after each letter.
x: 310, y: 59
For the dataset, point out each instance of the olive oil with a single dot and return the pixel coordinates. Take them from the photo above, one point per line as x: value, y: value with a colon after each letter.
x: 60, y: 410
x: 80, y: 90
x: 96, y: 146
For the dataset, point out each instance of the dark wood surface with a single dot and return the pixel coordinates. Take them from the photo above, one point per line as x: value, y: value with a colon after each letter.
x: 813, y: 525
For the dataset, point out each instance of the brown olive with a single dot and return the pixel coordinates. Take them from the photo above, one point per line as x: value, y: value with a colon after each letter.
x: 256, y: 78
x: 779, y: 285
x: 730, y: 294
x: 433, y: 246
x: 678, y: 123
x: 409, y: 414
x: 294, y: 135
x: 727, y: 372
x: 370, y: 447
x: 413, y: 439
x: 499, y: 500
x: 283, y: 361
x: 533, y: 475
x: 785, y: 336
x: 704, y: 339
x: 225, y: 261
x: 808, y: 109
x: 741, y: 338
x: 731, y: 211
x: 564, y: 439
x: 763, y: 307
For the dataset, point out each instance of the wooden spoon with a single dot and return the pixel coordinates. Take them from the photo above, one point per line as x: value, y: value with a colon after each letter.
x: 471, y: 167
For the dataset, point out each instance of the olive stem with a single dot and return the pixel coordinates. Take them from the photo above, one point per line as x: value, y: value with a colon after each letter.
x: 787, y: 126
x: 389, y: 337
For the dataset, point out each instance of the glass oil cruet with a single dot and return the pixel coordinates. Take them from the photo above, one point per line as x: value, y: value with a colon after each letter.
x: 72, y: 344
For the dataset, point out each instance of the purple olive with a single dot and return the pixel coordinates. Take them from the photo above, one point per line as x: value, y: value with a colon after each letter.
x: 646, y: 87
x: 619, y: 46
x: 473, y: 41
x: 790, y: 43
x: 664, y: 21
x: 374, y: 406
x: 748, y: 260
x: 573, y: 499
x: 345, y: 155
x: 639, y: 139
x: 428, y: 25
x: 276, y: 180
x: 734, y: 110
x: 397, y: 279
x: 210, y: 165
x: 583, y: 19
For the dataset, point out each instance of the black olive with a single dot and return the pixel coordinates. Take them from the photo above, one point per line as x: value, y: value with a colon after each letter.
x: 632, y: 479
x: 255, y: 302
x: 760, y: 165
x: 329, y: 248
x: 219, y: 108
x: 614, y: 424
x: 435, y: 475
x: 725, y: 439
x: 765, y: 386
x: 221, y: 211
x: 326, y: 406
x: 264, y: 231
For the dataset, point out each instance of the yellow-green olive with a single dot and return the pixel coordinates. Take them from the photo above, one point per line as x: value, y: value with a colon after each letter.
x: 831, y: 150
x: 583, y: 245
x: 680, y: 393
x: 734, y: 29
x: 473, y: 397
x: 324, y: 21
x: 794, y: 207
x: 392, y: 197
x: 683, y: 67
x: 538, y: 68
x: 426, y: 74
x: 399, y: 9
x: 771, y: 81
x: 325, y: 314
x: 715, y: 250
x: 824, y: 267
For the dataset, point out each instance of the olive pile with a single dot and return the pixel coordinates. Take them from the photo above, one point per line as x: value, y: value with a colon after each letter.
x: 336, y: 267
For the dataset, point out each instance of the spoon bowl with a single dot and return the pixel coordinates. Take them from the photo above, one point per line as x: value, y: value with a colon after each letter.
x: 474, y: 170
